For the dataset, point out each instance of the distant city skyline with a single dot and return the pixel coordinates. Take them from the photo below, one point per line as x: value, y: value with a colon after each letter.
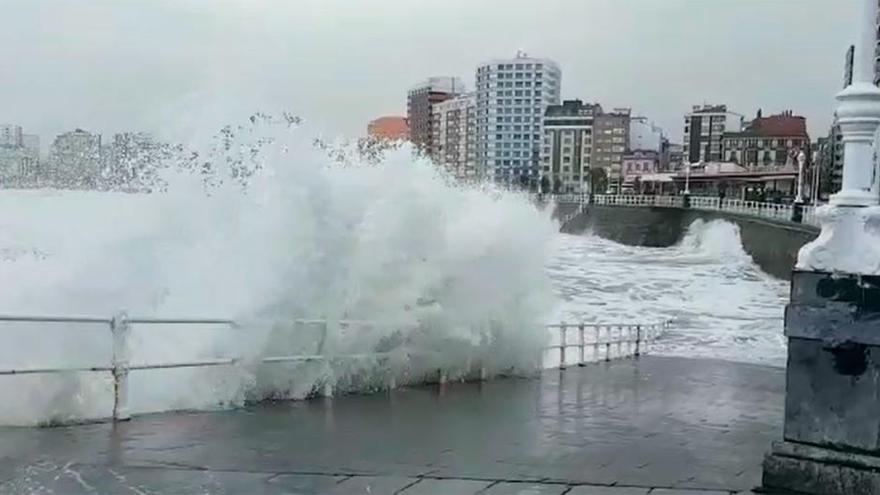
x: 171, y: 68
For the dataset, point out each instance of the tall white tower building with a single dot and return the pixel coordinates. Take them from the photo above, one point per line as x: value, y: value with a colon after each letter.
x: 512, y: 95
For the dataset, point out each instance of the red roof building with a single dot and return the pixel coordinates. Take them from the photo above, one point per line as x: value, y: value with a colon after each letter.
x: 768, y: 143
x: 390, y: 128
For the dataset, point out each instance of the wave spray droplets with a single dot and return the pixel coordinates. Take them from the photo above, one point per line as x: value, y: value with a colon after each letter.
x: 447, y: 271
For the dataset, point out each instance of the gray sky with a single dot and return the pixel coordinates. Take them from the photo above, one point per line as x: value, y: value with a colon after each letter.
x: 112, y: 65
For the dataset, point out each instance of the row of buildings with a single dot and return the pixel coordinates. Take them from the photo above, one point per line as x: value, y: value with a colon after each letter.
x: 514, y: 129
x: 77, y: 158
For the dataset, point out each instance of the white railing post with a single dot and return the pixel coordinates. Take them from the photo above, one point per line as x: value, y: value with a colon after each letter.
x: 638, y: 341
x: 620, y: 342
x: 608, y: 343
x: 120, y: 329
x: 629, y: 340
x: 562, y: 345
x: 582, y: 344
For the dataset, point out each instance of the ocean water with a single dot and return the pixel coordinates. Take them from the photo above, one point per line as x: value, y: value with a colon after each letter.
x: 722, y: 305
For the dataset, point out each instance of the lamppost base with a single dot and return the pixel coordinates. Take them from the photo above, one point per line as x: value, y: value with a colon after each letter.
x: 849, y: 242
x: 802, y: 468
x: 832, y: 395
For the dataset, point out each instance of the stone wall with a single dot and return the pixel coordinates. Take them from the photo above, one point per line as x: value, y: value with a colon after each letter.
x: 773, y: 245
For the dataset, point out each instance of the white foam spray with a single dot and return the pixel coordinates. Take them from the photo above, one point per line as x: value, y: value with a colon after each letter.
x: 450, y: 273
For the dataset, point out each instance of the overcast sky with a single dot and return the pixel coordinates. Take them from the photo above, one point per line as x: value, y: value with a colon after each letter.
x: 155, y: 65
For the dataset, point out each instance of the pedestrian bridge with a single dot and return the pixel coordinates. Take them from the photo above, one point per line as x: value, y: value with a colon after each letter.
x: 771, y: 233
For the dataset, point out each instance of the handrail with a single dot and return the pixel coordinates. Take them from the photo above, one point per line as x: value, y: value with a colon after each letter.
x: 637, y: 339
x: 796, y: 213
x: 629, y: 339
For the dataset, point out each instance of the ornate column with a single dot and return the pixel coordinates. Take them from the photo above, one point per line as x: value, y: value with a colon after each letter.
x: 831, y: 435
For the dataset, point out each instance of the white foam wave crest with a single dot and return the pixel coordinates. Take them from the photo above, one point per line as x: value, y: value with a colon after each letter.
x: 451, y: 274
x: 715, y: 238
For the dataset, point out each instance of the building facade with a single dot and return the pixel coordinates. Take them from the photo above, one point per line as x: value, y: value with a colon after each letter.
x: 768, y: 142
x: 829, y: 162
x: 704, y: 128
x: 76, y: 158
x: 19, y: 155
x: 512, y: 96
x: 390, y: 128
x: 567, y: 150
x: 637, y: 164
x: 420, y: 104
x: 610, y: 143
x: 640, y: 162
x: 454, y: 136
x: 676, y: 156
x: 644, y: 135
x: 10, y: 136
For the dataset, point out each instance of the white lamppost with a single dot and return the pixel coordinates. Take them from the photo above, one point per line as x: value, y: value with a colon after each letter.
x: 802, y: 160
x: 817, y: 172
x: 849, y: 242
x: 687, y: 177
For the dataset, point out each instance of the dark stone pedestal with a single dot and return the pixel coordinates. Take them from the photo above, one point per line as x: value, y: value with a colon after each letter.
x: 832, y: 403
x: 797, y: 213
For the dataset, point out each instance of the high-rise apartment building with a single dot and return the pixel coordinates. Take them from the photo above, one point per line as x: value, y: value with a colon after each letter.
x: 420, y: 104
x: 76, y: 157
x: 10, y: 136
x: 512, y: 96
x: 568, y: 147
x: 704, y: 128
x: 610, y: 143
x: 453, y: 144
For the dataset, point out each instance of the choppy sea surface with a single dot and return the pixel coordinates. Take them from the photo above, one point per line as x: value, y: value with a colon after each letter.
x: 722, y: 304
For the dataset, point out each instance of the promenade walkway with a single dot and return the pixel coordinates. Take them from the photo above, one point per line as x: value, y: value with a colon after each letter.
x: 659, y: 425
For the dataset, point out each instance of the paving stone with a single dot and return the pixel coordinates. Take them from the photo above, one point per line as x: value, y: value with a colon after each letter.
x: 376, y: 485
x: 446, y: 487
x: 655, y: 421
x: 607, y: 490
x: 662, y: 491
x: 305, y: 484
x: 525, y: 489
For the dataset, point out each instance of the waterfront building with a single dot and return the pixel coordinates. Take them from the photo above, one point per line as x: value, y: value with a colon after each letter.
x: 75, y: 158
x: 512, y: 96
x: 390, y: 127
x: 568, y: 147
x: 610, y: 143
x: 768, y: 142
x: 421, y: 99
x: 453, y: 144
x: 704, y: 128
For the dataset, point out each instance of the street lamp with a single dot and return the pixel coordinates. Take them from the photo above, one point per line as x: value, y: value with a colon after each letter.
x: 687, y: 178
x: 802, y: 160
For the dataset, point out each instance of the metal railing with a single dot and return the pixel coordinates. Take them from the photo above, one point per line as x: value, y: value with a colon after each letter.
x: 604, y: 342
x: 771, y: 211
x: 627, y: 340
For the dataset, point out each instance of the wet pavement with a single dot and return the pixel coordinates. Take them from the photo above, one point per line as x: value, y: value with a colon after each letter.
x: 655, y: 425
